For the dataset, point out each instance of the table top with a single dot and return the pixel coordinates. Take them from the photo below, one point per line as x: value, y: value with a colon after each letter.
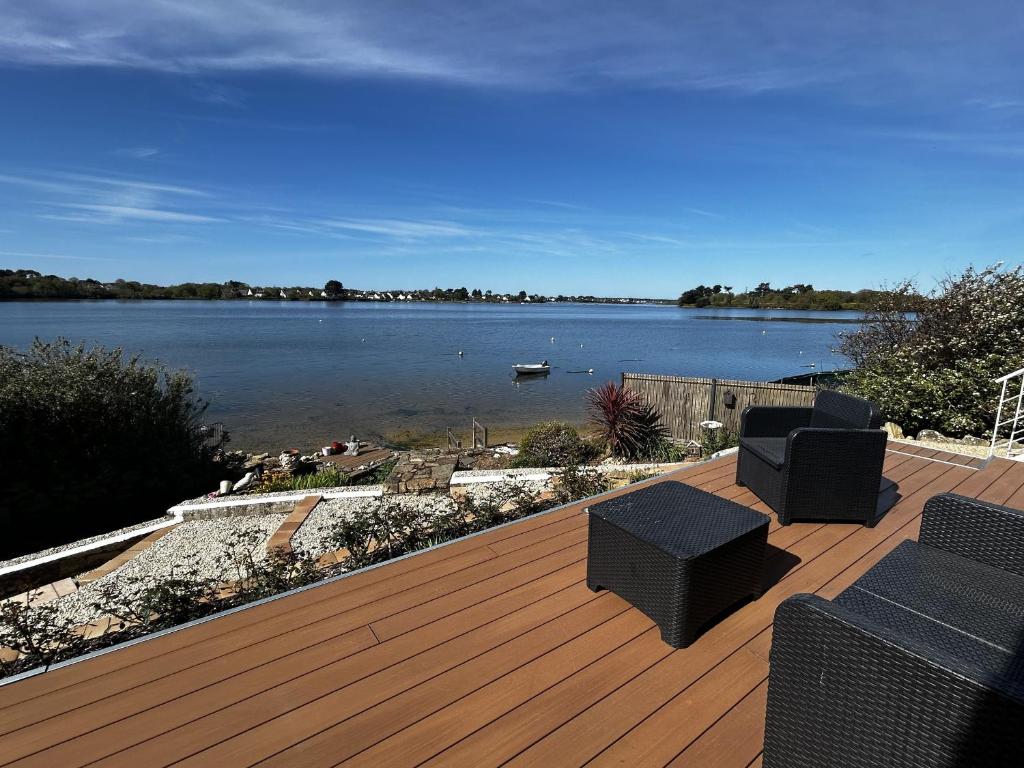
x: 679, y: 519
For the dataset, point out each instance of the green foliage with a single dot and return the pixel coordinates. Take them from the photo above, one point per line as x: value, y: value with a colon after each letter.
x: 714, y: 440
x: 29, y: 284
x: 552, y: 444
x: 139, y: 607
x: 93, y: 440
x: 798, y: 296
x: 930, y: 362
x: 37, y: 632
x: 576, y: 483
x: 384, y: 530
x: 630, y: 426
x: 325, y: 478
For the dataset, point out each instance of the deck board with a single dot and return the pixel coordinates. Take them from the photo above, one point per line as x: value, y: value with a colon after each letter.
x: 486, y: 651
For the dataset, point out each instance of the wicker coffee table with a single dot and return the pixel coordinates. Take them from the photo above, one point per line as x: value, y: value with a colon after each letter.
x: 680, y: 555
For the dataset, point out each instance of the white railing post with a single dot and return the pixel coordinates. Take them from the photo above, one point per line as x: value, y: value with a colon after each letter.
x: 999, y: 415
x: 1014, y: 420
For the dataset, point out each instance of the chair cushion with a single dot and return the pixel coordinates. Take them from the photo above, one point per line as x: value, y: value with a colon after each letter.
x: 957, y: 606
x: 770, y: 449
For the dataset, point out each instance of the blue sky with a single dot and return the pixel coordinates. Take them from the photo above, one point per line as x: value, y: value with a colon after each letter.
x: 572, y: 147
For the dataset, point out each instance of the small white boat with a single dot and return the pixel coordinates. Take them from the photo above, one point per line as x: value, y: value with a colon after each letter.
x: 533, y: 369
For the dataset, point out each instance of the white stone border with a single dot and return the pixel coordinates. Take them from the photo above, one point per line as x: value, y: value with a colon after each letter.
x: 341, y: 492
x: 99, y: 543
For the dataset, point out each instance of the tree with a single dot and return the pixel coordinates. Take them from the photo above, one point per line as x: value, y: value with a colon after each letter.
x: 930, y: 361
x: 521, y: 295
x: 333, y: 288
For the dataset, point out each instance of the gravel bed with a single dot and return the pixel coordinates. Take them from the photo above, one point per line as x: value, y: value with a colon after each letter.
x: 315, y: 533
x: 193, y: 545
x: 83, y: 542
x: 978, y: 451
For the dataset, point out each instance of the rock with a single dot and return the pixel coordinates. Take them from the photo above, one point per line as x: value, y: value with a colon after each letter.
x: 931, y: 434
x: 895, y: 430
x: 972, y: 440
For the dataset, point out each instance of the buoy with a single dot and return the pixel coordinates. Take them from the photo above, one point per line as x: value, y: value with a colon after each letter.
x: 363, y: 340
x: 460, y: 353
x: 581, y: 346
x: 552, y: 339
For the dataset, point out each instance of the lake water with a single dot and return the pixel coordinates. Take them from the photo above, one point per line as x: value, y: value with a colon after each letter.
x: 303, y: 373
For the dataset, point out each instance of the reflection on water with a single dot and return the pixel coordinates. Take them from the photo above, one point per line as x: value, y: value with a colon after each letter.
x: 303, y: 373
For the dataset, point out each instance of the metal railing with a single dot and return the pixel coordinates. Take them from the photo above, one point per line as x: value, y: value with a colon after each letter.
x: 1007, y: 403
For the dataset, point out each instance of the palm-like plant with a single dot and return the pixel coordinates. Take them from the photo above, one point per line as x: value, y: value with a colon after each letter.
x: 630, y: 426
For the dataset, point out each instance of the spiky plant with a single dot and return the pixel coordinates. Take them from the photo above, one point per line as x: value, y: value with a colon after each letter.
x: 630, y: 426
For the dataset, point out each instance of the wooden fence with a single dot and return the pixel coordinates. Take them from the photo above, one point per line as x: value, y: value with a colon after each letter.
x: 684, y: 402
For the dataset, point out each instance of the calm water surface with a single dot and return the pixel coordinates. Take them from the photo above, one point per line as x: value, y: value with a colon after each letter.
x: 298, y: 373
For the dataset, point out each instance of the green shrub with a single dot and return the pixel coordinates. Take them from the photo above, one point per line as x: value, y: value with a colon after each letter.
x: 930, y: 361
x: 91, y: 441
x: 552, y: 444
x: 576, y: 483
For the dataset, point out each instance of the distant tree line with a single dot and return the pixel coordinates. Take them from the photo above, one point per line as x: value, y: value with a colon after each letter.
x: 30, y: 284
x: 764, y: 296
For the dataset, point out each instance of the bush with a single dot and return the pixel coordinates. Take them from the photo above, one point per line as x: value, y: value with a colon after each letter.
x: 576, y: 483
x: 930, y: 361
x: 630, y: 426
x: 139, y: 607
x: 552, y: 444
x: 93, y: 441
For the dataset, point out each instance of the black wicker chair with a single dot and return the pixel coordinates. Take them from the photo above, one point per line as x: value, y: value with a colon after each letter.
x: 823, y: 462
x: 919, y: 663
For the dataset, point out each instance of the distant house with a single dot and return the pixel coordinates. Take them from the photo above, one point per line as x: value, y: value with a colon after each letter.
x: 323, y: 294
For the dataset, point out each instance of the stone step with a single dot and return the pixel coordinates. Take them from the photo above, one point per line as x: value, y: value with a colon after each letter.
x: 422, y: 473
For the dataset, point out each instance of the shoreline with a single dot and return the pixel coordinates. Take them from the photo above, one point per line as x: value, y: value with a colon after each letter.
x: 413, y: 439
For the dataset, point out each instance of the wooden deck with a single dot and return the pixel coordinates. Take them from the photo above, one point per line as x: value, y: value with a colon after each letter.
x: 487, y: 651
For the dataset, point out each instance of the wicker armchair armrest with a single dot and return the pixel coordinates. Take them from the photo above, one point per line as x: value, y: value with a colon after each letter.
x: 984, y: 532
x: 845, y: 691
x: 772, y: 420
x: 856, y: 449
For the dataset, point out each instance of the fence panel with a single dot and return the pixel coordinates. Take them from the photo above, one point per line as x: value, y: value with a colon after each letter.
x: 684, y: 401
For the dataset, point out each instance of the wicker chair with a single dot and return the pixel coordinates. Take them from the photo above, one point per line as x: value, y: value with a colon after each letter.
x: 919, y: 663
x: 823, y: 462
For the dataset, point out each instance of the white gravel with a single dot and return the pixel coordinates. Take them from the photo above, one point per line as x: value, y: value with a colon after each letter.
x: 192, y: 545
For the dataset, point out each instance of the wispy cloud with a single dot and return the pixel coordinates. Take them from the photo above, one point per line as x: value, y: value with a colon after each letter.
x: 704, y: 213
x: 103, y: 199
x: 401, y: 229
x: 138, y: 153
x: 892, y: 47
x: 116, y: 213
